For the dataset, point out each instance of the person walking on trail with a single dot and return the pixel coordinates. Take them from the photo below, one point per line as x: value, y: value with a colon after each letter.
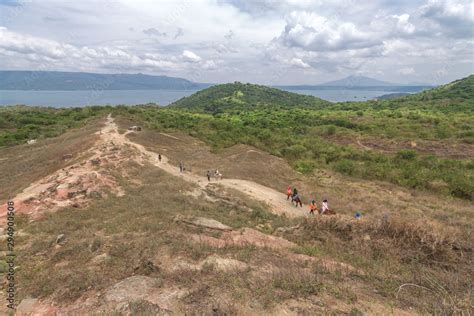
x: 159, y: 157
x: 312, y: 207
x: 324, y: 207
x: 288, y: 192
x: 181, y: 167
x: 209, y: 175
x: 295, y: 193
x: 217, y: 175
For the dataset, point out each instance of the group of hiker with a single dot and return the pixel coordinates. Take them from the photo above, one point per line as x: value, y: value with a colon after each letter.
x: 214, y: 174
x: 290, y: 192
x: 210, y: 174
x: 295, y: 198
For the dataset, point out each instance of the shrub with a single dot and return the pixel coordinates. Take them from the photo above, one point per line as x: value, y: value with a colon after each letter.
x: 345, y: 166
x: 305, y: 166
x: 406, y: 154
x: 295, y: 151
x: 331, y: 130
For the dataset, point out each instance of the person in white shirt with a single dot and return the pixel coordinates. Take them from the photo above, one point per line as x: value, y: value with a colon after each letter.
x: 324, y: 206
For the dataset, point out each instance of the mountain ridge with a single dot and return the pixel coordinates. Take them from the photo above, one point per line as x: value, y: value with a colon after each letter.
x: 61, y: 80
x: 358, y: 81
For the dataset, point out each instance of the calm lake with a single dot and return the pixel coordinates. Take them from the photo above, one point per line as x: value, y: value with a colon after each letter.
x: 162, y: 97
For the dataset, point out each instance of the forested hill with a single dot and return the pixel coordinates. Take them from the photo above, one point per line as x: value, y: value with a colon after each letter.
x: 243, y: 96
x: 56, y: 80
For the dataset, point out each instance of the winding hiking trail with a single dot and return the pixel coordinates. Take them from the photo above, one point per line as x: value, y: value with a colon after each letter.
x: 81, y: 182
x: 274, y: 199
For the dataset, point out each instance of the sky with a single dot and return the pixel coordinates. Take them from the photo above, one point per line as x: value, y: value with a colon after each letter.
x: 259, y: 41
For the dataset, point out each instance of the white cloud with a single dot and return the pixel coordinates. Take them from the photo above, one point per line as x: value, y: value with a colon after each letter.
x: 52, y: 53
x: 313, y: 32
x: 227, y: 40
x: 453, y: 17
x: 190, y: 56
x: 403, y: 23
x: 299, y: 63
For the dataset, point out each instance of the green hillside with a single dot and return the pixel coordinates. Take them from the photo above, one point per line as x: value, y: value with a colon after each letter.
x: 233, y: 96
x: 21, y: 123
x: 413, y: 143
x: 459, y: 89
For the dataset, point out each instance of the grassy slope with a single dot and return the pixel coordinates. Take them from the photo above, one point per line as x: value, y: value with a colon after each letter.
x: 135, y: 230
x: 311, y: 135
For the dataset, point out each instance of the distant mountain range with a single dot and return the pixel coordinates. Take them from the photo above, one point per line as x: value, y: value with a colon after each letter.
x: 57, y: 80
x: 358, y: 81
x: 361, y: 83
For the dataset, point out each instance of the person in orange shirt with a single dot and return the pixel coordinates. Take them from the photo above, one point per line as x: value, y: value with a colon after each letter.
x: 312, y: 207
x: 289, y: 193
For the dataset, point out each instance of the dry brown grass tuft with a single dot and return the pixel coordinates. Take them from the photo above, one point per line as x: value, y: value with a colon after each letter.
x: 437, y: 242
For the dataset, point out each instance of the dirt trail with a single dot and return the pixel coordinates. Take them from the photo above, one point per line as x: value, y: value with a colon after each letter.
x: 79, y: 183
x: 274, y: 199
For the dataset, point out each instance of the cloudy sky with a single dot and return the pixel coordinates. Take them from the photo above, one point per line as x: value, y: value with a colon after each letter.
x: 259, y: 41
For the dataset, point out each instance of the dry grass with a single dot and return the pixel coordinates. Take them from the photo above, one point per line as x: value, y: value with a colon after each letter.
x: 397, y: 251
x: 138, y: 234
x: 23, y: 164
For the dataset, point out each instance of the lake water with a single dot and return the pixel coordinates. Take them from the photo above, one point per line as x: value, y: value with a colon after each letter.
x: 162, y: 97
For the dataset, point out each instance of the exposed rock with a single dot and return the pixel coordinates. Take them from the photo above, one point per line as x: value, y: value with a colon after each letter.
x: 99, y: 259
x: 224, y: 264
x: 184, y: 265
x: 142, y: 288
x: 32, y: 306
x: 131, y: 289
x: 366, y: 237
x: 60, y: 239
x: 287, y: 229
x: 245, y: 236
x: 203, y: 222
x: 26, y: 305
x: 254, y: 237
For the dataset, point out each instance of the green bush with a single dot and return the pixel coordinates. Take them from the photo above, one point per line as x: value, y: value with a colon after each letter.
x: 305, y: 166
x: 407, y: 154
x: 345, y: 166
